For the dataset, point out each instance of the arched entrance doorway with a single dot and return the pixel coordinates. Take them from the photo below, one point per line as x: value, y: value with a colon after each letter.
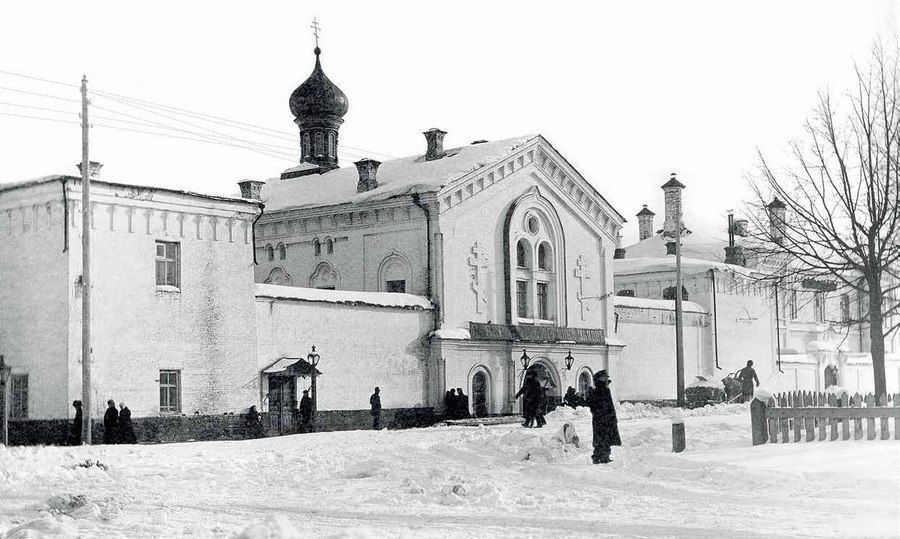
x: 831, y: 376
x: 481, y: 393
x: 549, y: 381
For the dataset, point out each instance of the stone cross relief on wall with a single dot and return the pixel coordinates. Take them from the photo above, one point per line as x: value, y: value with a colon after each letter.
x: 478, y: 272
x: 582, y: 274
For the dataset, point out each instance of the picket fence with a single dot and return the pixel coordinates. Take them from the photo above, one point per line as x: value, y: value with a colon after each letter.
x: 816, y: 416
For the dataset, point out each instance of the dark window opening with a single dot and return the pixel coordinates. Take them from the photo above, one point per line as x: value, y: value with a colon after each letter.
x: 398, y: 285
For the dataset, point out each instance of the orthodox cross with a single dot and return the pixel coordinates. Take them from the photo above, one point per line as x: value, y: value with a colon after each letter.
x: 581, y: 273
x: 315, y: 27
x: 478, y: 264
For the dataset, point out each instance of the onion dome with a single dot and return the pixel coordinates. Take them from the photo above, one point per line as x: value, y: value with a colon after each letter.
x: 318, y: 96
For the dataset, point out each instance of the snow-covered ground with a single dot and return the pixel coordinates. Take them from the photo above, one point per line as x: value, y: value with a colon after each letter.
x: 502, y: 480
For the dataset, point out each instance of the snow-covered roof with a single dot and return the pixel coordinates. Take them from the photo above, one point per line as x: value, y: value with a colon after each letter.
x: 661, y: 304
x: 694, y: 245
x: 689, y: 266
x: 403, y: 176
x: 352, y: 297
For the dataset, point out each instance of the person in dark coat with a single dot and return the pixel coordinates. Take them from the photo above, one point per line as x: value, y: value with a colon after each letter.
x: 111, y: 423
x: 746, y: 377
x: 603, y: 413
x: 125, y: 429
x: 529, y: 400
x: 540, y: 403
x: 306, y: 411
x: 375, y: 402
x: 450, y: 404
x: 462, y: 404
x: 571, y: 398
x: 75, y: 432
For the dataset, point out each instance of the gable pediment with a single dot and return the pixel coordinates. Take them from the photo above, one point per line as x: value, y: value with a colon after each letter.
x: 550, y: 169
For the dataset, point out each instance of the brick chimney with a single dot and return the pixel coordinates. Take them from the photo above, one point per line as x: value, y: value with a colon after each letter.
x: 776, y: 210
x: 645, y: 223
x: 251, y: 189
x: 93, y: 168
x: 672, y: 190
x: 367, y: 169
x: 619, y: 253
x: 435, y: 139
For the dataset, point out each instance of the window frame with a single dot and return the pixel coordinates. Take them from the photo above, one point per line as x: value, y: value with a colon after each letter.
x: 522, y: 299
x: 166, y: 260
x: 18, y: 405
x: 176, y: 386
x: 819, y: 307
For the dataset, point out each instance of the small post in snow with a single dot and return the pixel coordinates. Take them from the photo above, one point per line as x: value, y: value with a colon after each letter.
x: 678, y: 442
x: 758, y: 422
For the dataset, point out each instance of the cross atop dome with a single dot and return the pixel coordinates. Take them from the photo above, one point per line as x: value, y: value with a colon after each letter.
x: 315, y: 28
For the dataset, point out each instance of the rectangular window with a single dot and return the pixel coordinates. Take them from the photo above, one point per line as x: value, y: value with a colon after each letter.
x: 794, y: 307
x: 543, y: 302
x: 819, y: 305
x: 170, y: 392
x: 168, y: 264
x: 522, y: 299
x: 395, y: 286
x: 845, y: 308
x: 19, y: 397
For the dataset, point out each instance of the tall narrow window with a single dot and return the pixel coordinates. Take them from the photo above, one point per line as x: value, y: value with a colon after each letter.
x: 329, y: 246
x: 270, y: 253
x: 19, y: 402
x: 317, y: 248
x: 543, y: 303
x: 845, y: 308
x: 330, y: 149
x: 170, y: 392
x: 792, y: 304
x: 168, y: 264
x: 543, y: 256
x: 522, y: 298
x: 282, y: 251
x: 522, y: 254
x: 819, y: 304
x: 319, y: 144
x: 306, y: 150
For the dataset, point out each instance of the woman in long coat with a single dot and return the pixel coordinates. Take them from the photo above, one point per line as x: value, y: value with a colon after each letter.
x: 603, y: 412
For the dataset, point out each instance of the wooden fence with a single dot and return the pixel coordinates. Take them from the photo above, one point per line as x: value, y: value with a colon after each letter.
x: 812, y: 416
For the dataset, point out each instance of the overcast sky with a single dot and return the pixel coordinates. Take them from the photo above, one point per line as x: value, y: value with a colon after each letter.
x: 627, y: 91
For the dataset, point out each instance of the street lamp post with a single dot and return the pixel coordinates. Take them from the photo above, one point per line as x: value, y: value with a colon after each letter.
x: 313, y: 359
x: 5, y: 371
x: 525, y: 359
x: 569, y: 361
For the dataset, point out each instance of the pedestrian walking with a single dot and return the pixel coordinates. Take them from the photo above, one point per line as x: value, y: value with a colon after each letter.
x: 375, y: 403
x: 604, y: 422
x: 746, y: 377
x: 306, y: 411
x: 75, y: 431
x: 125, y: 428
x: 529, y: 398
x: 111, y: 423
x: 540, y: 404
x: 462, y: 404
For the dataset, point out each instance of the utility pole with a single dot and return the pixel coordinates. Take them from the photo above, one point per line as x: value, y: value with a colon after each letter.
x: 679, y: 314
x: 85, y: 270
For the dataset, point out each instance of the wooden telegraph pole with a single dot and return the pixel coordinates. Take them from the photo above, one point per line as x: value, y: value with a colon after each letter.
x: 85, y: 270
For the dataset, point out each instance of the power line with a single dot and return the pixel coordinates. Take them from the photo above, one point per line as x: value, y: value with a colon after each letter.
x: 39, y: 94
x: 38, y: 118
x: 38, y: 78
x: 38, y: 108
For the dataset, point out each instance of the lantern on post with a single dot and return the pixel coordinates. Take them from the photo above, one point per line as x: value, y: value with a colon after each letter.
x: 525, y: 359
x: 569, y: 361
x: 313, y: 359
x: 5, y: 371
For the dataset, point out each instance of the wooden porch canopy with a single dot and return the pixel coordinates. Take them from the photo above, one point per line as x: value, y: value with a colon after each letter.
x: 479, y: 331
x: 290, y: 366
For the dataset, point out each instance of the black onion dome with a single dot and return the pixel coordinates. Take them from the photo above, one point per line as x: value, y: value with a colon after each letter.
x: 318, y: 96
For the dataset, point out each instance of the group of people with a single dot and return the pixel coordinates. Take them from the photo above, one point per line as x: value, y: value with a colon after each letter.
x: 572, y: 398
x: 117, y: 426
x: 599, y: 400
x: 456, y: 404
x: 533, y: 404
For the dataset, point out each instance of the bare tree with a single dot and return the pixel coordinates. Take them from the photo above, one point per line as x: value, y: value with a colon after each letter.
x: 835, y: 210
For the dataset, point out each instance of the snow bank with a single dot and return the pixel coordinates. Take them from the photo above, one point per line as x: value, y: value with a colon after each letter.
x: 659, y: 304
x: 702, y: 381
x: 350, y: 297
x: 638, y: 410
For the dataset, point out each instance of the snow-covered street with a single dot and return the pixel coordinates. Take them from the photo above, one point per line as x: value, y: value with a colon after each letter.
x: 477, y: 481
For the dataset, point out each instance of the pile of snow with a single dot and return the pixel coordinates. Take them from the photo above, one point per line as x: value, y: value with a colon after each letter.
x: 637, y: 410
x: 702, y: 381
x: 273, y: 527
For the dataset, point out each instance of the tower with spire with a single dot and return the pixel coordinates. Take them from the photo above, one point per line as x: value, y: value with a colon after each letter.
x: 318, y: 106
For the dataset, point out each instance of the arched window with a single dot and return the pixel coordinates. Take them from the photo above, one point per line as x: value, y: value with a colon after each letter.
x: 329, y: 246
x: 279, y: 276
x: 523, y: 250
x: 536, y: 285
x: 544, y: 256
x: 394, y: 273
x: 282, y: 251
x: 270, y: 252
x: 325, y: 277
x: 305, y: 151
x: 317, y: 247
x: 329, y: 150
x: 669, y: 293
x: 319, y: 144
x: 584, y: 383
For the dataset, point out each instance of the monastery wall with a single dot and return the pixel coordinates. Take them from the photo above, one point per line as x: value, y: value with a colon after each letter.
x: 361, y: 345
